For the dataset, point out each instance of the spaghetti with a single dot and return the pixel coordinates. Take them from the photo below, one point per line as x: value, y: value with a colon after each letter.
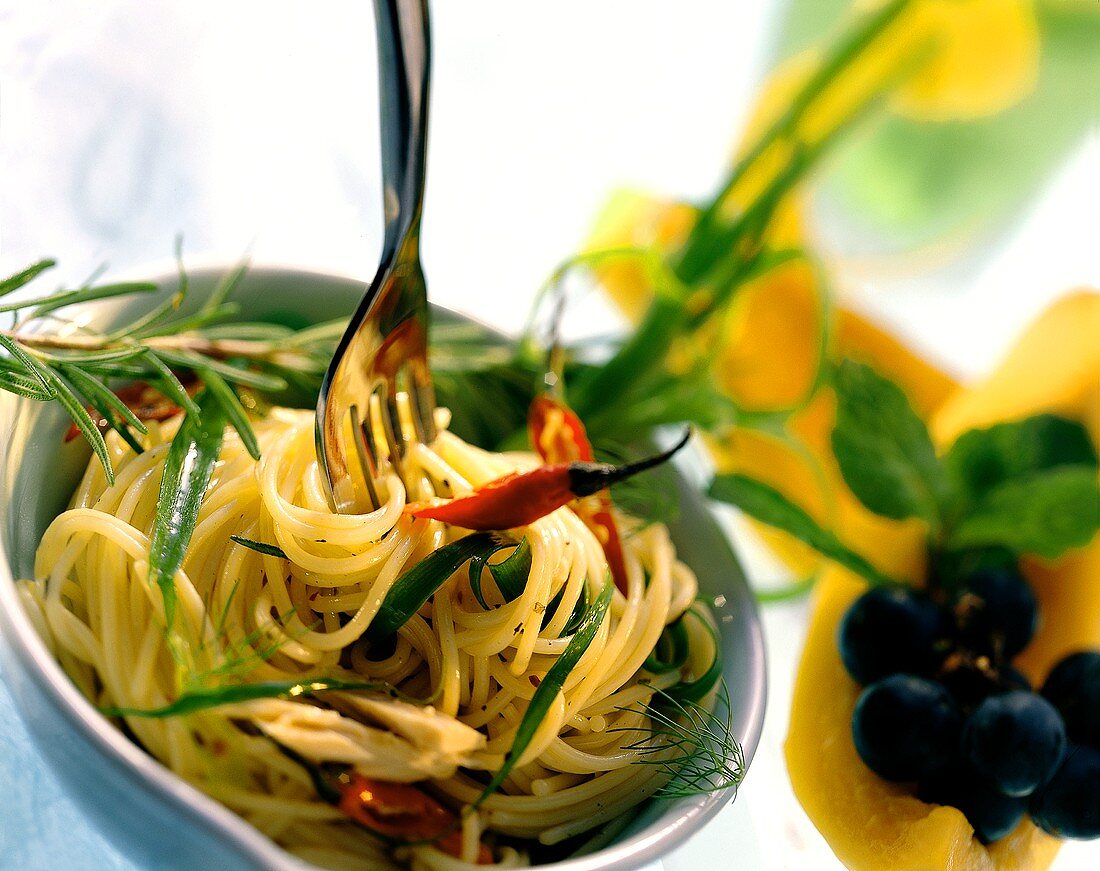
x: 460, y: 672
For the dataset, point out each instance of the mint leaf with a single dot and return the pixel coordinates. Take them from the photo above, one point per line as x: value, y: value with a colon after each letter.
x: 1044, y: 513
x: 883, y: 447
x: 983, y: 459
x: 770, y: 506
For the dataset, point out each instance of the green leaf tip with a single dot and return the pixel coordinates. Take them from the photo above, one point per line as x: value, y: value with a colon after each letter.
x: 884, y: 449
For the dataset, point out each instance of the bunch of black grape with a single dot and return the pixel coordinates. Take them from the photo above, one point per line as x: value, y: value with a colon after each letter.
x: 944, y: 707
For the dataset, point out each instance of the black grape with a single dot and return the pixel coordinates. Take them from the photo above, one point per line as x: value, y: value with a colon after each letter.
x: 1014, y: 679
x: 972, y: 679
x: 890, y: 630
x: 992, y: 813
x: 1073, y: 687
x: 1069, y: 805
x: 996, y: 612
x: 1016, y: 740
x: 906, y: 727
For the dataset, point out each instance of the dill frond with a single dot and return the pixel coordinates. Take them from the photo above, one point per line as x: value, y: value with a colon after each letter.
x: 695, y: 747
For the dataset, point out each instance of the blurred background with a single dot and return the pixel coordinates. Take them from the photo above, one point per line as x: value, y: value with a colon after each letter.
x: 250, y: 128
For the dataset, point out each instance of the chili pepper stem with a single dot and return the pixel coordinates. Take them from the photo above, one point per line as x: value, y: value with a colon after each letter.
x: 588, y: 478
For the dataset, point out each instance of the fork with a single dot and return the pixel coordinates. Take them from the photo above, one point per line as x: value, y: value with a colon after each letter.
x: 381, y: 363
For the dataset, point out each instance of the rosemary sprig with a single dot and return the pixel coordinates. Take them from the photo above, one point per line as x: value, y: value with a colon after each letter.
x: 51, y: 357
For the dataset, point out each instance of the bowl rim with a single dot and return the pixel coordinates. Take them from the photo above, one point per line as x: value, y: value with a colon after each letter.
x: 144, y: 772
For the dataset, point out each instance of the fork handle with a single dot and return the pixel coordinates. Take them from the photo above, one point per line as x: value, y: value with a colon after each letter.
x: 404, y: 60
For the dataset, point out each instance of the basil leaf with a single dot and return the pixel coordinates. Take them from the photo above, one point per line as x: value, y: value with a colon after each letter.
x: 1045, y: 513
x: 416, y: 585
x: 549, y: 688
x: 187, y: 471
x: 983, y: 459
x: 884, y: 449
x: 769, y: 506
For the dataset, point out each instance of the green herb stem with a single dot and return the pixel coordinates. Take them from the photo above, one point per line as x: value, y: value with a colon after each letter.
x: 212, y: 697
x: 549, y: 688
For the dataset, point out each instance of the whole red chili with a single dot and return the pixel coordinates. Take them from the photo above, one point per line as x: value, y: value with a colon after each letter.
x: 521, y: 498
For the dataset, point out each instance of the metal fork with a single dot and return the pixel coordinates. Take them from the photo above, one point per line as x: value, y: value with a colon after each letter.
x: 384, y: 352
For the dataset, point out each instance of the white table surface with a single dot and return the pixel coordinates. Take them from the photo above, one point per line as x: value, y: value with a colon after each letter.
x: 250, y: 126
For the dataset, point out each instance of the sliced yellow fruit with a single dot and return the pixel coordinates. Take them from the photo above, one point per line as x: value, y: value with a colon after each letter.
x: 869, y: 822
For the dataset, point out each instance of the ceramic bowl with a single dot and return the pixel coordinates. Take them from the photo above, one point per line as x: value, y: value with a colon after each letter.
x: 145, y: 810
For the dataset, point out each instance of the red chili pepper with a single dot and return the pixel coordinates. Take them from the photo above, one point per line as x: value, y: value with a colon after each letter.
x: 520, y: 498
x: 403, y: 811
x: 559, y: 435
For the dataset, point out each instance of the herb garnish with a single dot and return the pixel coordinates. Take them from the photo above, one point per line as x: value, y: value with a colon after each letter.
x: 694, y: 746
x: 187, y: 472
x: 1025, y: 487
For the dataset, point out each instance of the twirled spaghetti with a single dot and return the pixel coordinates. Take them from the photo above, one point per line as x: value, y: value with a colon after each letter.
x: 244, y: 617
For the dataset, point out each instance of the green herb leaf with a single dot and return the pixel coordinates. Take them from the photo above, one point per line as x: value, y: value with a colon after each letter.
x: 699, y: 688
x: 983, y: 459
x: 259, y: 546
x: 883, y: 447
x: 31, y: 366
x: 694, y: 746
x: 137, y: 329
x: 549, y: 688
x: 233, y: 374
x: 510, y: 575
x: 199, y: 320
x: 671, y: 650
x: 226, y: 397
x: 107, y: 405
x: 23, y: 385
x: 575, y: 617
x: 79, y: 414
x: 187, y: 470
x: 769, y: 506
x: 416, y: 585
x: 94, y: 389
x: 203, y: 699
x: 170, y: 385
x: 86, y: 358
x: 14, y: 282
x: 46, y: 304
x: 1044, y: 513
x: 225, y: 287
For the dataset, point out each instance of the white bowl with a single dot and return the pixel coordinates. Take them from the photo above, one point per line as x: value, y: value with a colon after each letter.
x: 144, y: 809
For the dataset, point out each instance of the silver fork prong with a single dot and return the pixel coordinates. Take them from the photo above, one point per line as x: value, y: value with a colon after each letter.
x: 391, y: 427
x: 422, y: 401
x: 368, y: 460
